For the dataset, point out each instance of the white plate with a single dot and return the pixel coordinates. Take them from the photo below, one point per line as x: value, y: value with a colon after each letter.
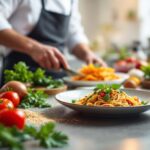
x: 66, y: 98
x: 69, y: 81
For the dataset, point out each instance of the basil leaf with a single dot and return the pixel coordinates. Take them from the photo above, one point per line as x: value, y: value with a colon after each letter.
x: 106, y: 97
x: 115, y: 86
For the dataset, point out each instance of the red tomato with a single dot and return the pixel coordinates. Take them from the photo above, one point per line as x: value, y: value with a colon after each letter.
x: 138, y: 65
x: 5, y: 103
x: 12, y: 96
x: 129, y: 102
x: 131, y: 60
x: 102, y: 94
x: 12, y: 117
x: 121, y: 63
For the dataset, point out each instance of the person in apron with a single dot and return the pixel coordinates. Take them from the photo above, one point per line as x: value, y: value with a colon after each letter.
x: 50, y: 30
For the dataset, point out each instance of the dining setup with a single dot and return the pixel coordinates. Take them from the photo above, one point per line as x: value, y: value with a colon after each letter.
x: 72, y: 84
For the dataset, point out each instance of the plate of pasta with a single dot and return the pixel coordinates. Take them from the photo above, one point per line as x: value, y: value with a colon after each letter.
x: 106, y: 100
x: 93, y: 75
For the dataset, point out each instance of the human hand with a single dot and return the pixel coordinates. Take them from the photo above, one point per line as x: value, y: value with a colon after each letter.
x: 91, y: 58
x: 48, y: 57
x: 83, y: 52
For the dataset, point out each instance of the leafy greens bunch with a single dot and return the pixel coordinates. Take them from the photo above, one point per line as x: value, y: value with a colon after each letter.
x: 34, y: 99
x: 47, y: 136
x: 22, y: 73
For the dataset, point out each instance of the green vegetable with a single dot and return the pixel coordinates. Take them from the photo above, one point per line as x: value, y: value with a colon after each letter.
x: 34, y: 99
x: 73, y: 101
x: 107, y: 88
x: 20, y: 72
x: 40, y: 79
x: 50, y: 138
x: 146, y: 70
x: 144, y: 102
x: 106, y: 97
x: 47, y: 136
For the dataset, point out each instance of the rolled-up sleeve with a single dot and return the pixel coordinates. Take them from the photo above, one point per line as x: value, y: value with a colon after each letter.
x: 76, y: 33
x: 7, y: 7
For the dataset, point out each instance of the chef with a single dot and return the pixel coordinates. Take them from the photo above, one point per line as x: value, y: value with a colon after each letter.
x: 37, y: 31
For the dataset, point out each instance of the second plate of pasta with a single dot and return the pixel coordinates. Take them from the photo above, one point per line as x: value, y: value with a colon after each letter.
x: 127, y: 102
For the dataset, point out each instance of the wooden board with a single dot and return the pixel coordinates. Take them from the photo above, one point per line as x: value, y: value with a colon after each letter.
x: 52, y: 91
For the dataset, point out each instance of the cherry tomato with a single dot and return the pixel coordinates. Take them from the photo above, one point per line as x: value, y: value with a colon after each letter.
x: 138, y: 65
x: 131, y: 60
x: 102, y: 94
x: 12, y: 96
x: 5, y: 103
x: 12, y: 117
x: 121, y: 63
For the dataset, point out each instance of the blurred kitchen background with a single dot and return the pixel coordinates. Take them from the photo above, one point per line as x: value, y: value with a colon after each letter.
x: 112, y: 25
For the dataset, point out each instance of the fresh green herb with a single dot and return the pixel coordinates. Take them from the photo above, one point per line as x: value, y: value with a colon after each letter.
x: 34, y: 99
x: 50, y: 138
x: 40, y: 79
x: 73, y: 101
x: 105, y: 90
x: 115, y: 86
x: 106, y: 97
x: 47, y: 136
x: 20, y: 72
x: 144, y: 103
x: 146, y: 70
x: 55, y: 84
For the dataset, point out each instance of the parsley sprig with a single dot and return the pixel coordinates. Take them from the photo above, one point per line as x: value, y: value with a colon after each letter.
x: 34, y: 99
x: 21, y: 72
x: 47, y: 136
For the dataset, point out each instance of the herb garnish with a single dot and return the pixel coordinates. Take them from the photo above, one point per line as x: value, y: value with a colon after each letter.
x: 144, y: 103
x: 104, y: 90
x: 21, y: 72
x: 73, y: 101
x: 34, y: 99
x: 47, y: 136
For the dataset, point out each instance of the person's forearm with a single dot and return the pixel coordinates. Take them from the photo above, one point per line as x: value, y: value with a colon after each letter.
x: 81, y: 50
x: 16, y: 41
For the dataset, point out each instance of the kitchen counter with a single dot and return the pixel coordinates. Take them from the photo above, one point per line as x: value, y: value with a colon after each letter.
x: 89, y: 133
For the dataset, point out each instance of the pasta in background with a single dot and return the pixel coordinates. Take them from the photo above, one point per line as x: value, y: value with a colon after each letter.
x: 94, y: 73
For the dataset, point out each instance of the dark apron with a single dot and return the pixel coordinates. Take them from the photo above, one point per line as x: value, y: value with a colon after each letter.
x: 51, y: 29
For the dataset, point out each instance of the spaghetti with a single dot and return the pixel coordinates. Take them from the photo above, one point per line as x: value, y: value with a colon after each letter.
x: 112, y: 98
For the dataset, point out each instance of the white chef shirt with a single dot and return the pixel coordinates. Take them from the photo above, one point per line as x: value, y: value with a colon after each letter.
x: 23, y: 15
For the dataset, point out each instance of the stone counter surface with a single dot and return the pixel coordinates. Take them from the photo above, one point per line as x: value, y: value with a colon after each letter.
x: 89, y: 133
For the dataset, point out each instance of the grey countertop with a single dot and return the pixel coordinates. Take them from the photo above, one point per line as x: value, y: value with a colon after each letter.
x: 89, y: 133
